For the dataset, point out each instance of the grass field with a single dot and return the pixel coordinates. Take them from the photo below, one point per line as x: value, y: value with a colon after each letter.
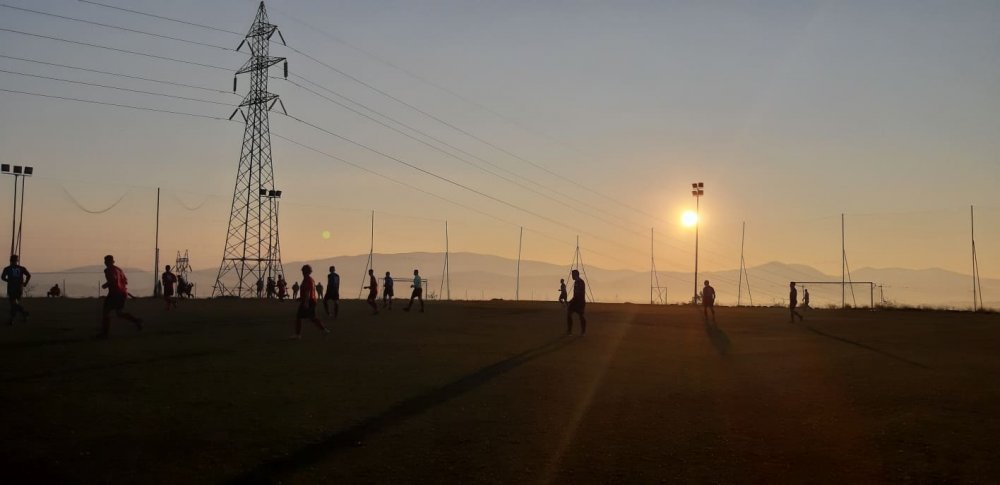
x: 494, y: 392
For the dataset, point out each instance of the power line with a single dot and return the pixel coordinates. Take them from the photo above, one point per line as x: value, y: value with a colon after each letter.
x: 334, y: 157
x: 374, y: 88
x: 109, y: 73
x: 109, y: 26
x: 463, y: 160
x: 115, y: 49
x: 128, y: 106
x: 161, y: 17
x: 150, y: 93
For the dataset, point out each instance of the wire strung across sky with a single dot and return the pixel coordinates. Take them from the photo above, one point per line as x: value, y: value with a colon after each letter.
x: 367, y: 85
x: 216, y: 67
x: 316, y: 84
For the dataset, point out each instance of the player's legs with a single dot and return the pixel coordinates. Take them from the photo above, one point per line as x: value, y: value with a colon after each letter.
x: 583, y: 323
x: 420, y: 296
x: 569, y: 321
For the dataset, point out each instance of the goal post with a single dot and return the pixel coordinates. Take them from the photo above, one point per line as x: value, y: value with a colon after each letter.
x: 846, y: 294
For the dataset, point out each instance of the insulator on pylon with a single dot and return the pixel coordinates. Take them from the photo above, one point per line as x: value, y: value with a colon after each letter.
x: 286, y: 69
x: 234, y: 84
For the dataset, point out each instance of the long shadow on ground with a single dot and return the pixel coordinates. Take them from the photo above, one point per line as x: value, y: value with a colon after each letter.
x: 865, y: 346
x: 718, y: 338
x: 268, y: 472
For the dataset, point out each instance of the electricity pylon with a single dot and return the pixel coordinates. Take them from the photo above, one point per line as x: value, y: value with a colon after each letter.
x: 251, y: 251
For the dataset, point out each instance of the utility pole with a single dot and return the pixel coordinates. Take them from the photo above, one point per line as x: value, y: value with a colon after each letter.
x: 446, y: 274
x: 517, y: 277
x: 251, y: 252
x: 743, y: 270
x: 156, y: 256
x: 977, y: 287
x: 843, y: 264
x: 371, y: 262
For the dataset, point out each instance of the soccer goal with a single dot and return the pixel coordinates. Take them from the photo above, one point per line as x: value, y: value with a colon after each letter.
x: 827, y: 293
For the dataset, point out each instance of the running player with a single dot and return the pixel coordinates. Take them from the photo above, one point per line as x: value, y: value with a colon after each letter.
x: 372, y: 291
x: 117, y: 286
x: 708, y: 301
x: 387, y: 292
x: 793, y: 301
x: 307, y: 304
x: 577, y: 304
x: 562, y: 291
x: 295, y: 290
x: 332, y: 292
x: 418, y: 291
x: 169, y: 280
x: 17, y: 277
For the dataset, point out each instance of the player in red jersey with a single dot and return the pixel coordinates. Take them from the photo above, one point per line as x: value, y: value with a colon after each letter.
x: 169, y: 280
x: 117, y: 286
x: 307, y: 303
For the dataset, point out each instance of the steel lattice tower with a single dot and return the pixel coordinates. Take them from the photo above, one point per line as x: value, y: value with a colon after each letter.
x: 251, y: 251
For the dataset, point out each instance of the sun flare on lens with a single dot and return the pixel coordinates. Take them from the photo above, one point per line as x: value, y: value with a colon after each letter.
x: 689, y: 219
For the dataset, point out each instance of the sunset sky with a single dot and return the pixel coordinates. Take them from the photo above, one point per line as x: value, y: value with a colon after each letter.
x: 790, y: 112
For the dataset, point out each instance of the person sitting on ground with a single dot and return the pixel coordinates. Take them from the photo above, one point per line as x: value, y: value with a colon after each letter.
x: 54, y: 292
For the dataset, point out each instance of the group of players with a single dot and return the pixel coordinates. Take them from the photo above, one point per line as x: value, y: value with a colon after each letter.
x: 708, y: 301
x: 17, y: 278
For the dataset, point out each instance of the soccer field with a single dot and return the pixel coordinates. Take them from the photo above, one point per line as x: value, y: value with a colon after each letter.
x: 495, y: 392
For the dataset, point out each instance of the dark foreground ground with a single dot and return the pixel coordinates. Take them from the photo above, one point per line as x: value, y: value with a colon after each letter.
x: 493, y: 392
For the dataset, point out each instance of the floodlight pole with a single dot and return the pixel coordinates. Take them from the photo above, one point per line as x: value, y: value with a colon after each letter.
x: 697, y: 190
x: 13, y: 218
x: 20, y: 173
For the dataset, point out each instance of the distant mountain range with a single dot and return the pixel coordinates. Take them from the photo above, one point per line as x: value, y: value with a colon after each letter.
x: 480, y: 276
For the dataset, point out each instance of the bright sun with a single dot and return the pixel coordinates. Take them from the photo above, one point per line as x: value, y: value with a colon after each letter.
x: 689, y: 219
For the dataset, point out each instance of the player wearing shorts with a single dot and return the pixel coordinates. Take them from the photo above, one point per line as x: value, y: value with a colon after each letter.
x: 418, y: 291
x: 577, y: 304
x: 17, y: 278
x: 372, y: 291
x: 169, y: 280
x: 117, y: 285
x: 307, y: 303
x: 708, y: 301
x: 562, y: 292
x: 332, y: 292
x: 387, y: 292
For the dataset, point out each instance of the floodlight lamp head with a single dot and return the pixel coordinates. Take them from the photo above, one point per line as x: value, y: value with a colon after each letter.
x: 5, y: 167
x: 694, y: 185
x: 17, y: 169
x: 29, y: 170
x: 263, y: 192
x: 277, y: 193
x: 701, y: 184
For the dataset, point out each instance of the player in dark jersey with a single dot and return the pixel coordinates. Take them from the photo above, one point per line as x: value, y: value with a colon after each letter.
x: 17, y: 277
x: 332, y: 292
x: 562, y: 291
x: 169, y: 280
x: 387, y: 291
x: 372, y: 291
x: 117, y: 285
x: 793, y: 301
x: 577, y: 304
x: 708, y: 301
